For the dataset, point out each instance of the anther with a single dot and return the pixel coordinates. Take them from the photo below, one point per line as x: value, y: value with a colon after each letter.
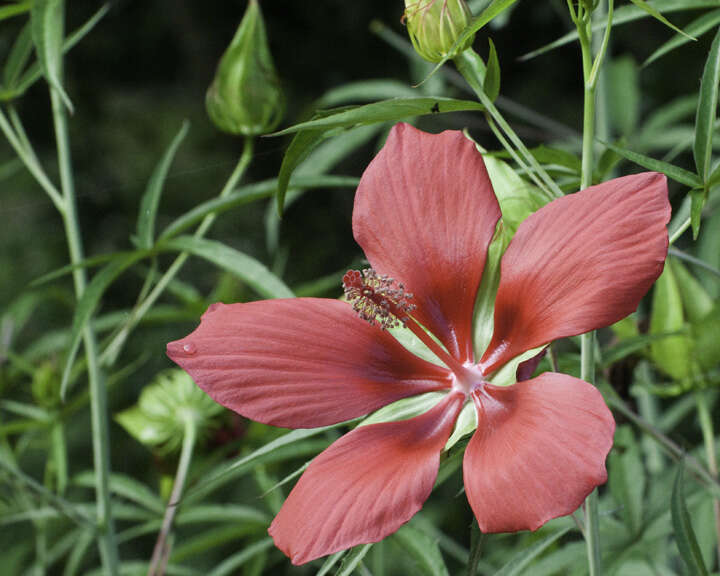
x: 377, y: 298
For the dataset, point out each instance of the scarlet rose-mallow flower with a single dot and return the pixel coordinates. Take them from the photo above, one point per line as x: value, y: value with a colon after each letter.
x: 425, y: 214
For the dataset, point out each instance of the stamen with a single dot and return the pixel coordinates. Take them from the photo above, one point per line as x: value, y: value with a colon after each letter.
x: 377, y: 298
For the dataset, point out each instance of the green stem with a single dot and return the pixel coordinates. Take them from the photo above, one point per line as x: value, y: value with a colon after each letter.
x: 27, y: 158
x: 161, y: 553
x: 583, y: 21
x: 708, y: 433
x: 470, y: 65
x: 98, y: 394
x: 114, y: 347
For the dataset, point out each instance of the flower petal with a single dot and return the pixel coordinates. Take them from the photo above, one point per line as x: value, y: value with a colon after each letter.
x: 301, y: 362
x: 539, y: 450
x: 580, y: 263
x: 425, y: 213
x: 364, y: 486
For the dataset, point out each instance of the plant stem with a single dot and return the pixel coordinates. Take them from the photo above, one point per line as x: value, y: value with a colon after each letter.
x: 98, y: 394
x: 113, y: 348
x: 708, y: 433
x: 28, y: 158
x: 161, y: 553
x: 583, y: 21
x: 470, y: 65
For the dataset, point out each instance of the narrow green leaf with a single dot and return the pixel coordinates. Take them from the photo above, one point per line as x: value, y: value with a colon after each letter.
x: 330, y: 562
x: 525, y: 557
x: 301, y: 145
x: 696, y: 28
x: 698, y: 198
x: 18, y: 58
x: 252, y: 272
x: 232, y: 562
x: 352, y: 559
x: 658, y: 16
x: 404, y: 409
x: 492, y: 74
x: 624, y: 15
x: 707, y: 110
x: 386, y: 111
x: 366, y: 91
x: 227, y: 471
x: 14, y: 10
x: 126, y: 487
x: 671, y: 171
x: 422, y: 550
x: 684, y: 533
x: 34, y: 72
x: 151, y: 199
x: 494, y: 9
x: 250, y: 193
x: 87, y: 306
x: 47, y: 19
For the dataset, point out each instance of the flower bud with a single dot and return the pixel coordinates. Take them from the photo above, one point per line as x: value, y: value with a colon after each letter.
x: 435, y: 25
x: 245, y: 96
x: 164, y: 408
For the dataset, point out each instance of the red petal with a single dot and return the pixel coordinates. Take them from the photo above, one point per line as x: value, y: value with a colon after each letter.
x: 300, y: 363
x: 580, y: 263
x: 425, y: 213
x: 539, y: 450
x: 364, y: 486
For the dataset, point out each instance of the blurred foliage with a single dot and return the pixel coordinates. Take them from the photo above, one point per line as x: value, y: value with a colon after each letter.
x: 135, y: 79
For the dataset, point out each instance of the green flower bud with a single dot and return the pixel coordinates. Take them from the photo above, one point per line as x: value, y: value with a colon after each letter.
x: 245, y: 96
x: 164, y: 409
x: 435, y: 25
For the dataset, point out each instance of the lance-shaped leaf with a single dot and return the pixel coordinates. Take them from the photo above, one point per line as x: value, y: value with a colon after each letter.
x: 47, y: 19
x: 707, y: 110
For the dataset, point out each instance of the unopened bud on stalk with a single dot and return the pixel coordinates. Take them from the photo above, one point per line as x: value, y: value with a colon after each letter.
x: 245, y: 96
x: 435, y: 25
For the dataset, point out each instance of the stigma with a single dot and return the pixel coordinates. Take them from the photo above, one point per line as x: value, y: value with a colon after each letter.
x: 377, y: 299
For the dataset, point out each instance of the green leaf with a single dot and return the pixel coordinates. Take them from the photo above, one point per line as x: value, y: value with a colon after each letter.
x: 151, y: 199
x: 422, y: 550
x: 697, y: 203
x: 492, y: 74
x: 18, y: 58
x: 88, y: 304
x: 671, y: 354
x: 627, y: 478
x: 386, y: 111
x: 352, y: 559
x: 366, y: 91
x: 707, y: 110
x: 526, y: 556
x: 624, y: 15
x: 624, y: 94
x: 252, y: 272
x: 684, y: 533
x: 47, y: 19
x: 658, y: 16
x: 227, y: 472
x: 671, y: 171
x: 301, y: 145
x: 250, y: 193
x: 34, y: 72
x: 126, y: 487
x: 232, y: 562
x: 696, y: 28
x: 14, y: 10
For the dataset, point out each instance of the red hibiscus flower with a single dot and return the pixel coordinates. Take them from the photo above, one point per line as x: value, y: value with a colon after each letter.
x: 425, y: 213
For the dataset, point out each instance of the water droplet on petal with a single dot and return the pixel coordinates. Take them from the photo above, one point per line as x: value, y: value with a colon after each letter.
x: 189, y: 348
